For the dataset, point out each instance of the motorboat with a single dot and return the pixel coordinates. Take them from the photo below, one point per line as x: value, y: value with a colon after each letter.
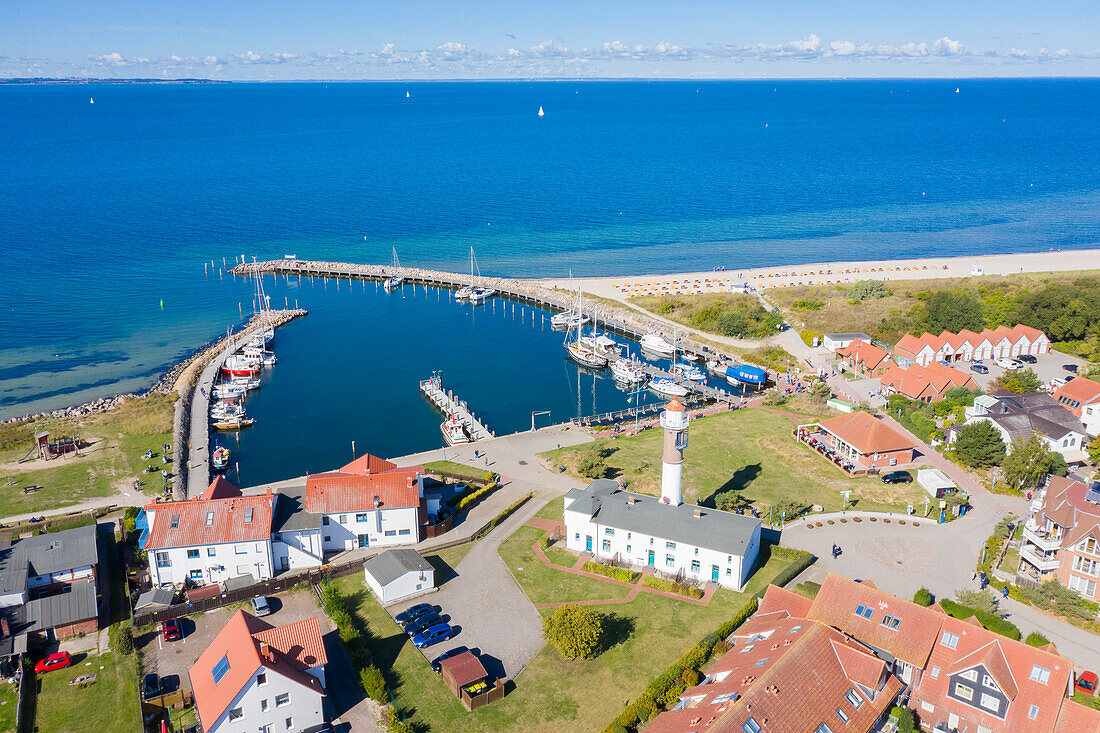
x: 240, y: 366
x: 717, y: 367
x: 601, y: 343
x: 268, y: 359
x: 584, y: 356
x: 668, y: 388
x: 656, y: 344
x: 627, y: 371
x: 219, y: 458
x: 227, y: 391
x: 245, y: 383
x: 233, y: 423
x: 690, y: 356
x: 480, y: 295
x: 742, y: 374
x: 454, y: 431
x: 566, y: 319
x: 226, y: 408
x: 687, y: 371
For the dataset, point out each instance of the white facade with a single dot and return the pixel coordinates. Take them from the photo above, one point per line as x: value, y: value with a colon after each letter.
x: 1090, y: 416
x: 371, y: 528
x: 295, y: 549
x: 412, y: 583
x: 1069, y: 445
x: 269, y: 701
x: 697, y: 563
x: 211, y: 563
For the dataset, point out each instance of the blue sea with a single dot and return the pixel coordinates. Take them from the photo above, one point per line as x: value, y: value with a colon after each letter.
x: 117, y: 216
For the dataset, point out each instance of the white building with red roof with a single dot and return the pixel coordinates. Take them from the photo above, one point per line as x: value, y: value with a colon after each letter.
x: 859, y: 440
x: 1081, y: 396
x: 1062, y: 538
x: 368, y: 503
x: 259, y: 677
x: 965, y: 345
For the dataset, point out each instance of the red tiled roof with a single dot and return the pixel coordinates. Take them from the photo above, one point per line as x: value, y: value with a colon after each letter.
x: 863, y: 353
x: 300, y: 642
x: 865, y: 433
x: 238, y: 644
x: 777, y: 598
x: 227, y: 521
x: 1032, y: 333
x: 338, y: 491
x: 367, y: 464
x: 1079, y: 390
x: 992, y: 657
x: 220, y: 488
x: 1077, y: 718
x: 913, y: 345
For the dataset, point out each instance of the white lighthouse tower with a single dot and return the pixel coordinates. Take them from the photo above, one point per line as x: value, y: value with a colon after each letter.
x: 674, y: 420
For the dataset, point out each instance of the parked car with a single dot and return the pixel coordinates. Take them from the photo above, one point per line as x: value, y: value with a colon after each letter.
x: 897, y: 477
x: 979, y: 368
x: 1086, y: 683
x: 1070, y: 368
x: 426, y: 621
x: 434, y: 635
x: 57, y: 660
x: 1009, y: 364
x: 260, y: 606
x: 150, y: 687
x: 172, y: 630
x: 411, y: 613
x: 437, y: 663
x: 1027, y: 359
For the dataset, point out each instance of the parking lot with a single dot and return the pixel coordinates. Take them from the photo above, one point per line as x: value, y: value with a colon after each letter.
x: 1048, y: 366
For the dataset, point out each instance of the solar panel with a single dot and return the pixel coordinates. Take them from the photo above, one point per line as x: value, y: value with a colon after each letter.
x: 1093, y: 493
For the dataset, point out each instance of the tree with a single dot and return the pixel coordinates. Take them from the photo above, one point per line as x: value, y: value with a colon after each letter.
x: 979, y: 445
x: 1036, y: 639
x: 1028, y: 463
x: 1094, y: 450
x: 869, y: 290
x: 731, y: 501
x: 906, y: 719
x: 952, y: 310
x: 1019, y: 382
x: 575, y: 631
x: 374, y: 683
x: 786, y: 509
x: 121, y: 638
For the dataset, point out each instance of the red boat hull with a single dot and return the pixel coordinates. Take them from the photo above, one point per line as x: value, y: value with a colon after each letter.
x: 249, y: 372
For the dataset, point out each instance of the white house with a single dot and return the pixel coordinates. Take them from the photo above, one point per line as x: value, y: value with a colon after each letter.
x: 368, y: 503
x: 255, y: 677
x: 1018, y: 416
x: 296, y: 539
x: 220, y: 535
x: 834, y: 341
x: 395, y: 575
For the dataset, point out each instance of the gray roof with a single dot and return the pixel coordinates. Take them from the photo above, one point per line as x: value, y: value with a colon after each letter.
x: 47, y: 553
x: 713, y: 529
x: 390, y: 565
x: 79, y: 604
x: 1020, y: 415
x: 161, y: 597
x: 289, y: 514
x: 850, y: 335
x: 238, y: 582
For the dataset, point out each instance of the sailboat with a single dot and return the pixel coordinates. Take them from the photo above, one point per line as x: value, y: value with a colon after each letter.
x: 407, y: 95
x: 91, y: 100
x: 395, y: 280
x: 541, y: 113
x: 580, y: 349
x: 473, y: 292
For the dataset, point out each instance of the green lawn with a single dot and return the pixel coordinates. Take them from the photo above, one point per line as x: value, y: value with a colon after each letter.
x: 118, y: 439
x: 110, y: 704
x: 9, y: 702
x: 469, y: 473
x: 550, y: 585
x: 553, y: 510
x: 750, y: 450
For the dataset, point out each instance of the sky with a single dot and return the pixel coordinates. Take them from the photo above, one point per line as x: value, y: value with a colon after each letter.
x: 465, y: 39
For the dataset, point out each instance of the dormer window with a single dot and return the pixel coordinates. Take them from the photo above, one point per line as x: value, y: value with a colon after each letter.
x: 175, y: 523
x: 209, y: 519
x: 248, y: 515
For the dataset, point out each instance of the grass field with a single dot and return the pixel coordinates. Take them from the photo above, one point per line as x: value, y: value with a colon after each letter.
x: 552, y: 693
x: 9, y: 702
x: 749, y: 450
x: 468, y: 473
x: 110, y: 704
x: 734, y: 315
x: 118, y: 439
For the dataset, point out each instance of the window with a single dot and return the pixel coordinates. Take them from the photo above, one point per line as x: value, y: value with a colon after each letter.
x: 964, y: 691
x: 576, y: 535
x: 281, y: 700
x: 1040, y: 674
x: 935, y: 673
x: 261, y: 679
x: 175, y: 523
x: 651, y: 540
x: 670, y: 545
x: 628, y: 535
x: 747, y: 648
x: 289, y: 723
x: 853, y: 697
x: 761, y: 662
x: 670, y: 560
x: 236, y: 713
x: 751, y: 726
x: 220, y: 669
x: 1086, y: 565
x: 729, y: 558
x: 1089, y: 545
x: 864, y: 611
x: 243, y: 570
x: 1082, y: 586
x: 343, y: 519
x: 1033, y: 712
x: 729, y: 571
x: 823, y: 729
x: 240, y: 549
x: 723, y: 698
x: 191, y: 554
x: 327, y: 538
x: 949, y: 640
x: 248, y: 515
x: 694, y: 566
x: 970, y: 674
x: 990, y: 702
x: 265, y: 728
x: 263, y: 705
x: 608, y: 531
x: 402, y: 531
x: 195, y: 575
x: 606, y: 546
x: 628, y: 548
x: 209, y: 518
x: 163, y: 561
x: 696, y: 550
x: 361, y: 517
x: 211, y: 552
x: 324, y: 521
x: 841, y: 714
x: 390, y: 533
x: 795, y: 629
x: 259, y: 547
x: 890, y: 622
x: 989, y: 682
x: 927, y: 706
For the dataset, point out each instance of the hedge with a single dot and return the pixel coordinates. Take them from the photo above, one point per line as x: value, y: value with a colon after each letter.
x: 610, y: 571
x: 504, y: 515
x: 646, y: 706
x: 993, y: 623
x: 473, y: 497
x: 1036, y: 639
x: 671, y: 586
x: 802, y: 560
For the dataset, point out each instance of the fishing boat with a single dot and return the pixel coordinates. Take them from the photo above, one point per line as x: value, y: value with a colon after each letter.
x: 219, y: 458
x: 627, y: 371
x: 668, y: 388
x: 241, y: 366
x: 687, y: 371
x: 717, y: 367
x: 454, y: 431
x: 655, y: 343
x: 234, y: 423
x: 394, y: 281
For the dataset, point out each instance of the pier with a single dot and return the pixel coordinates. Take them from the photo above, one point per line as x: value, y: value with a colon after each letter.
x: 446, y: 401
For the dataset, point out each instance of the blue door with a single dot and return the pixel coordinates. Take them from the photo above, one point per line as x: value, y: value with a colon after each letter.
x: 588, y: 543
x: 714, y: 573
x: 651, y: 557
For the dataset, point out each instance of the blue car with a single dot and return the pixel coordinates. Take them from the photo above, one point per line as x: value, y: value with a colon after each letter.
x: 423, y: 623
x: 434, y: 635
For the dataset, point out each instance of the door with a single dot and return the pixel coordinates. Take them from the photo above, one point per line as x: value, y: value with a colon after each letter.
x: 364, y: 540
x: 588, y: 543
x: 714, y: 573
x: 651, y: 557
x: 284, y: 562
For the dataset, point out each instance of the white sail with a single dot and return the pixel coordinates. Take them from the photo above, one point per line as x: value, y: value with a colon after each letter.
x: 541, y: 113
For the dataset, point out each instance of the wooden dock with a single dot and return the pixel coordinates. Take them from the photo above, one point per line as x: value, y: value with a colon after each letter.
x: 446, y: 401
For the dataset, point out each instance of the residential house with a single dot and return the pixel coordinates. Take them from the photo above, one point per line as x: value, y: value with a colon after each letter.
x: 397, y: 574
x: 967, y: 345
x: 1062, y: 538
x: 296, y: 537
x: 925, y: 383
x: 368, y: 503
x: 220, y: 535
x: 694, y: 542
x: 834, y: 341
x: 864, y: 440
x: 864, y: 358
x: 916, y: 350
x: 1019, y: 416
x: 1081, y: 397
x: 49, y: 584
x: 258, y: 677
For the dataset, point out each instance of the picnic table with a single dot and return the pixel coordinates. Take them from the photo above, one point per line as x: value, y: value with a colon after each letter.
x: 30, y: 489
x: 83, y: 680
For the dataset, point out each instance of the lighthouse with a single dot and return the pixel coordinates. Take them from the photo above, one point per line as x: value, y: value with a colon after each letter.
x: 674, y: 420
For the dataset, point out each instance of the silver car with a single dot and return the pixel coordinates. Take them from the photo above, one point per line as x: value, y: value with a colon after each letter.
x: 260, y: 606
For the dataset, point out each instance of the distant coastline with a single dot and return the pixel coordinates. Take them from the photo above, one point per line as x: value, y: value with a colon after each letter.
x: 39, y: 80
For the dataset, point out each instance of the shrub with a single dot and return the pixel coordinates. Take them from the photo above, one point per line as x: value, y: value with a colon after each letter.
x: 869, y: 290
x: 671, y: 586
x: 807, y: 304
x: 575, y: 631
x: 544, y: 542
x: 348, y: 633
x: 392, y: 722
x: 1036, y: 639
x: 690, y: 677
x: 923, y: 597
x: 722, y: 647
x: 989, y: 621
x: 906, y: 720
x: 610, y: 571
x: 120, y: 637
x: 476, y: 496
x: 374, y: 683
x: 801, y: 558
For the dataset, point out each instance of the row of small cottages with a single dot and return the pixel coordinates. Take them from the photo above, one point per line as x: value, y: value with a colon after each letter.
x: 1002, y: 342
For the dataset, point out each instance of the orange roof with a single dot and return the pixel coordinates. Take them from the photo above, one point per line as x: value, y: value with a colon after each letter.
x: 777, y: 598
x: 863, y: 353
x: 911, y: 641
x: 1077, y: 718
x: 365, y: 483
x: 675, y: 405
x: 300, y: 642
x: 1080, y: 390
x: 464, y: 668
x: 1032, y: 333
x: 865, y: 433
x: 913, y: 345
x: 220, y: 488
x: 368, y: 464
x: 238, y: 645
x: 198, y: 522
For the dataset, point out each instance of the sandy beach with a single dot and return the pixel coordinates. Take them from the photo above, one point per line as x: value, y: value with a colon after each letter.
x: 825, y: 273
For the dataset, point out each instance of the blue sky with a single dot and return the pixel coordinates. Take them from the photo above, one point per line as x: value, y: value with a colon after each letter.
x: 414, y: 39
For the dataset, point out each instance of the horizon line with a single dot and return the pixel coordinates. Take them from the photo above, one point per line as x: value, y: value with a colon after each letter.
x: 416, y: 80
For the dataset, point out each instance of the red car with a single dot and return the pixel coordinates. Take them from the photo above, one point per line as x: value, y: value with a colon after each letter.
x: 1086, y: 683
x: 57, y: 660
x: 172, y: 630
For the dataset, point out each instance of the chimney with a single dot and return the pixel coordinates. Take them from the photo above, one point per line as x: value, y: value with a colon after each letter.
x: 697, y: 513
x: 5, y: 630
x: 377, y: 501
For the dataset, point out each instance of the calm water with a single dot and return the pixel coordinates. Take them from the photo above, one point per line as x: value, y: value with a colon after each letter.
x: 110, y: 210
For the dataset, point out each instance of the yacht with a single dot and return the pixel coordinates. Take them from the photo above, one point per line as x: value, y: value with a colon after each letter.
x: 656, y: 344
x: 582, y: 349
x: 687, y: 371
x: 717, y: 367
x: 394, y: 281
x: 233, y: 423
x: 567, y: 319
x: 480, y: 294
x: 244, y: 383
x: 627, y: 371
x: 227, y: 391
x: 668, y: 388
x: 241, y: 366
x: 454, y: 431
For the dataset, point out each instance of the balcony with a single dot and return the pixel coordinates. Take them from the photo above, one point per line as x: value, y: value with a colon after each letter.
x: 1043, y: 564
x: 1040, y: 539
